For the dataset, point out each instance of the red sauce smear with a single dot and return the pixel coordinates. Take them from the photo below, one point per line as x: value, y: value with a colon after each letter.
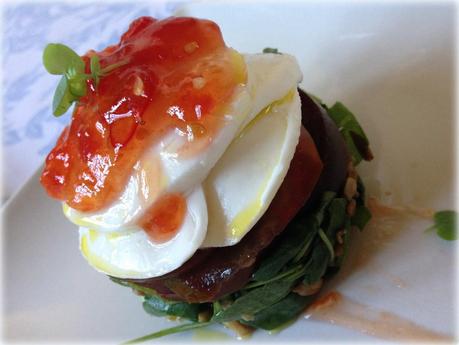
x: 179, y: 75
x: 164, y: 218
x: 336, y: 309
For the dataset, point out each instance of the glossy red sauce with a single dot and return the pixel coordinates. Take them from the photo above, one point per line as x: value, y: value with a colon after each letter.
x: 179, y: 75
x: 164, y: 218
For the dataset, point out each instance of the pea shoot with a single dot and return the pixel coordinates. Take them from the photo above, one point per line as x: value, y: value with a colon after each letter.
x: 59, y: 59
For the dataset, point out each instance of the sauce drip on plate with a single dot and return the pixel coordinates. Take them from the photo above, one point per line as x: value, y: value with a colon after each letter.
x: 335, y: 309
x: 177, y: 75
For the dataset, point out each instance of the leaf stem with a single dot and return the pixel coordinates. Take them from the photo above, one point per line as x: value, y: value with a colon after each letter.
x: 291, y: 271
x: 167, y: 331
x: 111, y: 67
x: 144, y: 290
x: 303, y: 250
x: 324, y: 238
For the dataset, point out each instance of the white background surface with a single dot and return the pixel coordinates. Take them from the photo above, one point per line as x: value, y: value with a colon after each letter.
x: 393, y: 65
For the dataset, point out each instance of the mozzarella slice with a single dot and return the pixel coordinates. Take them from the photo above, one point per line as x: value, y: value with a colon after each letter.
x: 271, y: 77
x: 133, y: 255
x: 245, y: 180
x: 161, y: 170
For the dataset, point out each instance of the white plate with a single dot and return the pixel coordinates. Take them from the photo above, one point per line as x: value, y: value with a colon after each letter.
x: 392, y: 64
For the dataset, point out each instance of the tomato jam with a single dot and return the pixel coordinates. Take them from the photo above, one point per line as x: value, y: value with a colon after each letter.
x: 164, y: 218
x: 177, y: 74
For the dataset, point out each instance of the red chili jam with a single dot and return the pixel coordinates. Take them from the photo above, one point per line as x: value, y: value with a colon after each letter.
x: 178, y: 74
x: 164, y: 218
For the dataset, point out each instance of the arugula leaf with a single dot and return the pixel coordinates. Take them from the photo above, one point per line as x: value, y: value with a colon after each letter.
x: 294, y: 239
x: 254, y: 301
x: 169, y: 331
x: 327, y: 243
x: 59, y: 59
x: 353, y: 134
x: 158, y: 306
x: 317, y: 264
x: 445, y: 223
x: 271, y: 50
x: 216, y: 307
x: 327, y: 197
x: 280, y: 313
x: 314, y: 228
x: 289, y: 274
x: 336, y: 214
x: 144, y: 290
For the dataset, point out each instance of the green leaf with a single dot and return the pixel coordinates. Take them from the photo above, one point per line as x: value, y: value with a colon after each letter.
x: 308, y: 241
x: 445, y: 223
x: 139, y: 288
x: 216, y: 307
x: 169, y: 331
x: 59, y: 59
x: 77, y: 87
x: 271, y: 50
x: 158, y: 306
x: 327, y: 243
x: 288, y: 274
x: 336, y: 214
x: 281, y: 312
x: 317, y: 264
x: 353, y: 134
x: 254, y: 301
x: 327, y: 197
x: 361, y: 217
x: 295, y: 237
x: 63, y: 98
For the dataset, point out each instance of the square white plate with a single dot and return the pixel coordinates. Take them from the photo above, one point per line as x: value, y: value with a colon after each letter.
x: 393, y: 65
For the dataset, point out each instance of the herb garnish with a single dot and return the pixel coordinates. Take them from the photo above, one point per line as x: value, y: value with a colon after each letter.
x: 445, y: 224
x: 353, y: 134
x: 168, y: 331
x: 271, y: 50
x: 59, y: 59
x: 255, y: 301
x: 158, y: 306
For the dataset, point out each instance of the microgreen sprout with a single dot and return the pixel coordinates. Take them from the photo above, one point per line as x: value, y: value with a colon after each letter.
x: 59, y: 59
